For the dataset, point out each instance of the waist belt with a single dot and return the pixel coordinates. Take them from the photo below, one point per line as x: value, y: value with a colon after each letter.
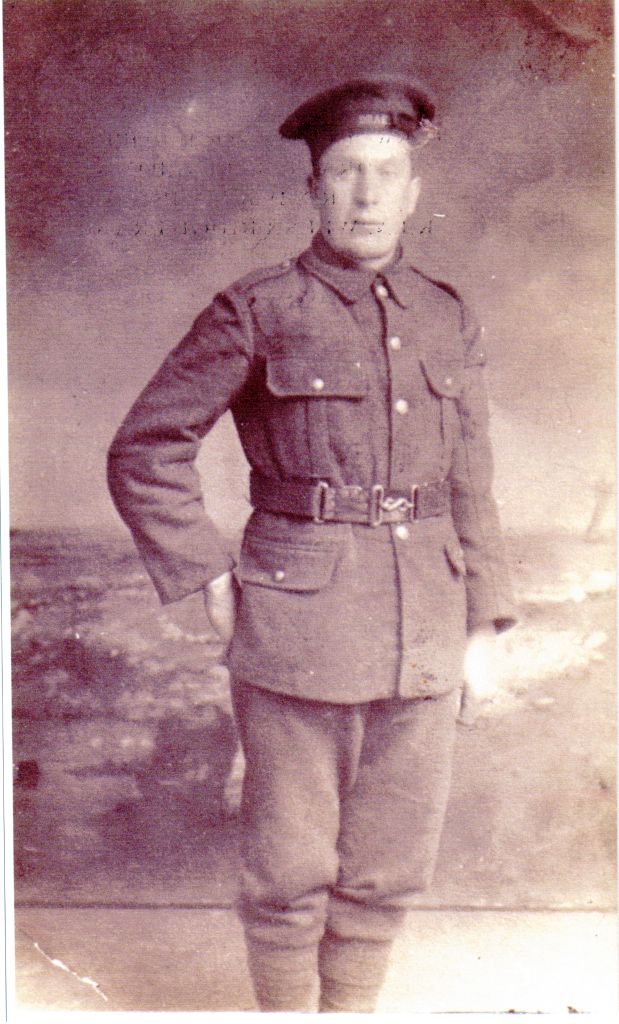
x: 367, y: 505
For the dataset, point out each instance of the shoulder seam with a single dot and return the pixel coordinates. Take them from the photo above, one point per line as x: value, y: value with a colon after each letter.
x: 255, y: 277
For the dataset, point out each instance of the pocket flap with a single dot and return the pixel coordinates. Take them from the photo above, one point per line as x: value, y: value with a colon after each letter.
x: 282, y: 567
x: 455, y: 557
x: 319, y: 378
x: 445, y: 377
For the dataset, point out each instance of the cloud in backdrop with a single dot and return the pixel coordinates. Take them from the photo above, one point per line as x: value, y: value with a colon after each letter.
x: 144, y: 172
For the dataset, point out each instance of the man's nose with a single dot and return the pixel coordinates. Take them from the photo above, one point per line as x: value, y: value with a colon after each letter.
x: 366, y: 192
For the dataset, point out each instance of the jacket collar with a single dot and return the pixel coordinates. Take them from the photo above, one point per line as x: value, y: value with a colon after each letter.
x: 351, y: 281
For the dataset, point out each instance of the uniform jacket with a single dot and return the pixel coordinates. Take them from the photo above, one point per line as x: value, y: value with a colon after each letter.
x: 355, y: 378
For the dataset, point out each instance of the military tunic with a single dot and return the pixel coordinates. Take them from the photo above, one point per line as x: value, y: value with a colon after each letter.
x: 353, y: 378
x: 349, y: 378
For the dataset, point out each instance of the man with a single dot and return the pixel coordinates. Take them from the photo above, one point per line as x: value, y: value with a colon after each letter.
x: 356, y: 387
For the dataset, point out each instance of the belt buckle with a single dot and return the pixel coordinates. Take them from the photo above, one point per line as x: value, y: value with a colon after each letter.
x: 412, y: 502
x: 375, y: 510
x: 319, y: 499
x: 402, y: 505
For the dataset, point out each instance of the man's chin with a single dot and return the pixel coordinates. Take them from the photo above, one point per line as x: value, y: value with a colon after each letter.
x: 369, y: 248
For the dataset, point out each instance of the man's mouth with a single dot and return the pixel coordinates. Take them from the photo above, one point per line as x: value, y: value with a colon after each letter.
x: 367, y: 225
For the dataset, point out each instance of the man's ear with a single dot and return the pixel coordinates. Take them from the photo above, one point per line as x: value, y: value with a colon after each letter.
x: 413, y: 195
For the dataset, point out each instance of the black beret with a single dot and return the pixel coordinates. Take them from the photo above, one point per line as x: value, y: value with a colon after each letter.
x: 363, y: 105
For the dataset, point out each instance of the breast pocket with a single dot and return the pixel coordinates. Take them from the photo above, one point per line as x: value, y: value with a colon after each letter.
x: 317, y: 378
x: 305, y: 398
x: 445, y: 380
x: 445, y: 377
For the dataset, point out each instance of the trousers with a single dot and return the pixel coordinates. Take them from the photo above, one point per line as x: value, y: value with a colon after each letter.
x: 342, y: 811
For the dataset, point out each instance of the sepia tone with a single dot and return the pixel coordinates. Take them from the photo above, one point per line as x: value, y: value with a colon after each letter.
x: 144, y: 174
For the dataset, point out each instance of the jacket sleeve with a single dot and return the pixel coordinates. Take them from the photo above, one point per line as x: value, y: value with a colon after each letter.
x: 474, y: 510
x: 151, y: 472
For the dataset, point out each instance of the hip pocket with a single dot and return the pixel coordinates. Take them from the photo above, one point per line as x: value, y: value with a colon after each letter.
x: 455, y: 557
x: 278, y: 566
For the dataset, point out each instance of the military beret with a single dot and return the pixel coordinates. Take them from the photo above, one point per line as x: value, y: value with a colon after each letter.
x: 364, y: 105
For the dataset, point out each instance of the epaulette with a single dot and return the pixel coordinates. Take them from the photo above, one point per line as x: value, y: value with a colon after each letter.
x: 443, y: 285
x: 245, y: 284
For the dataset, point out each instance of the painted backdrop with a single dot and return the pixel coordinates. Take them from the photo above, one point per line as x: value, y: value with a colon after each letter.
x: 144, y: 172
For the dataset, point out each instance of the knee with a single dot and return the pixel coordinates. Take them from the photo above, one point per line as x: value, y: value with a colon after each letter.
x: 275, y: 877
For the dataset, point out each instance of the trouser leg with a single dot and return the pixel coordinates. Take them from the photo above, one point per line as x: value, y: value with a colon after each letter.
x: 391, y: 821
x: 295, y: 768
x: 343, y: 808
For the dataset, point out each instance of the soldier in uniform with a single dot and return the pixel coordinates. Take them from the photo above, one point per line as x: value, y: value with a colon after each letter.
x: 373, y: 550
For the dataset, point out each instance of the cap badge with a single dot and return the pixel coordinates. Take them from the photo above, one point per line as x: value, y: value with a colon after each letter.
x: 374, y: 120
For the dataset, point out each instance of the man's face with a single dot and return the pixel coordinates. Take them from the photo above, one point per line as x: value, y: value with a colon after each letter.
x: 364, y: 193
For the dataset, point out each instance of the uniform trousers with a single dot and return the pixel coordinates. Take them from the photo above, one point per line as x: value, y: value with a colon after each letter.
x: 342, y: 811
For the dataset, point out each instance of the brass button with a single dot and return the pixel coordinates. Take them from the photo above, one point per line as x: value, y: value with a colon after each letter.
x: 318, y: 384
x: 401, y: 406
x: 395, y: 343
x: 402, y: 532
x: 448, y: 382
x: 381, y: 291
x: 279, y: 575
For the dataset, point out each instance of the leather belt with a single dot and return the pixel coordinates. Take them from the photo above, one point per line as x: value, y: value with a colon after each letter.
x: 367, y: 505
